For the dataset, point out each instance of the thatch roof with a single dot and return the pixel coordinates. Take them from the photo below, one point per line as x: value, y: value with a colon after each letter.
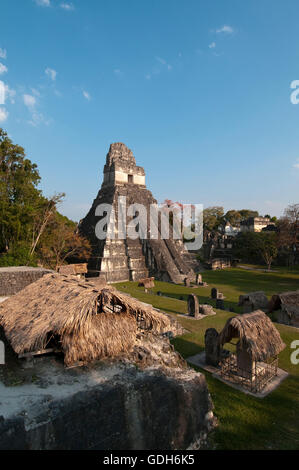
x: 286, y: 298
x: 73, y: 269
x: 257, y: 299
x: 257, y: 334
x: 89, y: 321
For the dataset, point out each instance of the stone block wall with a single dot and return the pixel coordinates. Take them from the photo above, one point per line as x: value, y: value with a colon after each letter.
x: 13, y: 279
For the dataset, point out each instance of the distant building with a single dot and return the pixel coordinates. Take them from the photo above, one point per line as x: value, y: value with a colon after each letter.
x: 255, y: 224
x: 232, y: 230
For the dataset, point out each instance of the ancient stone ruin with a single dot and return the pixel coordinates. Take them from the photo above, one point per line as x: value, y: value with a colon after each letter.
x: 253, y: 301
x: 215, y: 294
x: 212, y: 347
x: 197, y: 310
x: 118, y: 260
x: 49, y: 403
x: 13, y: 279
x: 193, y: 306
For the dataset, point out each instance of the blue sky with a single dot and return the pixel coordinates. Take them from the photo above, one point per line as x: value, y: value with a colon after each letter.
x: 199, y: 90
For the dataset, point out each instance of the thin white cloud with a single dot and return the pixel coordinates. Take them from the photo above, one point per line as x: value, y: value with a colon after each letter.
x: 117, y: 72
x: 43, y: 3
x: 3, y: 114
x: 51, y: 73
x: 10, y: 94
x: 29, y: 101
x: 2, y: 92
x: 35, y: 92
x: 38, y: 118
x: 67, y: 6
x: 162, y: 61
x: 296, y: 165
x: 225, y: 29
x: 212, y: 45
x: 3, y: 53
x: 3, y: 69
x: 86, y: 95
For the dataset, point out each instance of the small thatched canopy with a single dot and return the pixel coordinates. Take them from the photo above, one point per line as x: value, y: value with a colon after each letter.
x: 257, y: 334
x: 286, y: 298
x: 258, y: 300
x: 88, y: 322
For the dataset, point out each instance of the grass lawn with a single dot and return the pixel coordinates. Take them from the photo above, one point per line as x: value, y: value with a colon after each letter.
x: 245, y: 422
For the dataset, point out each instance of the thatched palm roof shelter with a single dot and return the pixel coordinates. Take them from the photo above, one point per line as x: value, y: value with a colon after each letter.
x: 286, y: 298
x: 87, y: 321
x: 258, y: 336
x: 253, y: 301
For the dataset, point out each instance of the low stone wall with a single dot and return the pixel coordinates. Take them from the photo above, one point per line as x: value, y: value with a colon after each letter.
x: 13, y: 279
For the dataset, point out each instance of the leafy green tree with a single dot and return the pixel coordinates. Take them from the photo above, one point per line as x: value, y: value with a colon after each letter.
x: 19, y: 195
x: 267, y: 247
x: 30, y: 224
x: 256, y: 247
x: 246, y: 213
x: 246, y: 247
x: 212, y: 217
x: 233, y: 217
x: 61, y: 243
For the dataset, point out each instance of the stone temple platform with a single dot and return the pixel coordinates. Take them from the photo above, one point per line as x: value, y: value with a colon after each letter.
x: 15, y: 278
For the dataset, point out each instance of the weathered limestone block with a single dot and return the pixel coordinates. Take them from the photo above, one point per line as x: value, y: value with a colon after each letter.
x: 206, y: 309
x: 193, y: 305
x: 212, y: 347
x: 214, y: 293
x: 15, y: 278
x: 113, y: 407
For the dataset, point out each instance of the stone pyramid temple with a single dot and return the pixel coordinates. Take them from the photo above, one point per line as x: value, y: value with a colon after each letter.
x: 117, y: 260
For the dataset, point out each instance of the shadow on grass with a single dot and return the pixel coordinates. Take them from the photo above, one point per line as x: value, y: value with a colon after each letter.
x: 248, y: 423
x: 247, y: 281
x: 203, y: 300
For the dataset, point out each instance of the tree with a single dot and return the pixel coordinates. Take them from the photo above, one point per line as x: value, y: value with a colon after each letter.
x: 246, y: 213
x: 267, y: 246
x: 246, y: 247
x: 212, y: 217
x: 43, y: 219
x: 19, y: 195
x: 233, y: 217
x: 288, y: 233
x: 61, y: 243
x: 292, y: 216
x: 31, y: 228
x: 256, y: 247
